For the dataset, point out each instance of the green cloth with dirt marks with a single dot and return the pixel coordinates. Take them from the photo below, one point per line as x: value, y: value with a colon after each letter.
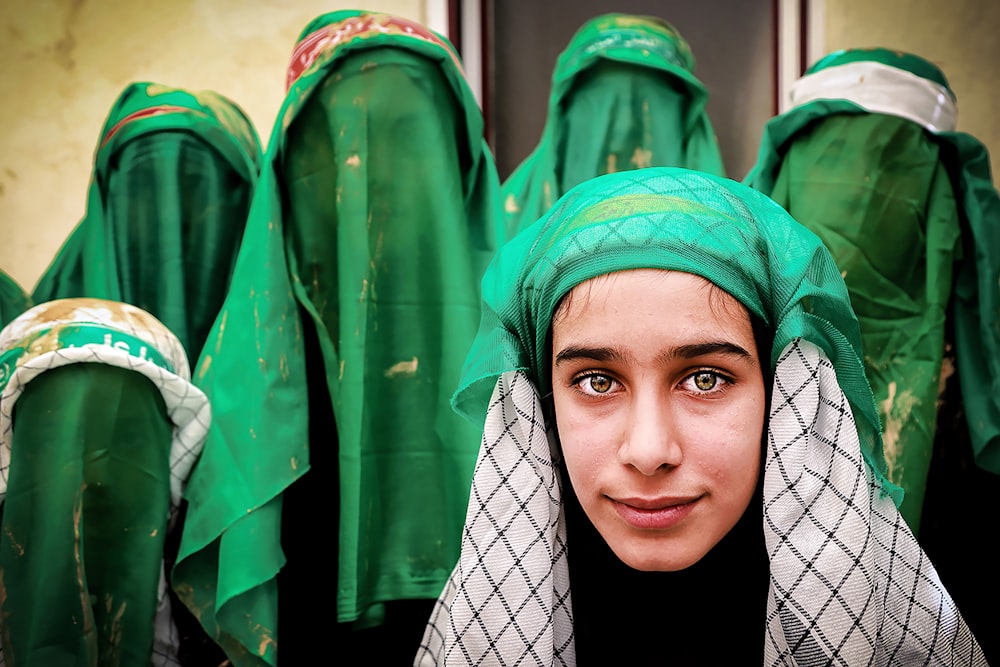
x: 85, y: 519
x: 624, y: 96
x: 354, y: 299
x: 913, y: 220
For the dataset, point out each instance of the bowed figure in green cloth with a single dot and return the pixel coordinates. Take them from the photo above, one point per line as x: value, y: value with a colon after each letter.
x: 174, y: 172
x: 869, y: 159
x: 99, y: 429
x: 624, y: 96
x: 335, y: 476
x: 678, y: 436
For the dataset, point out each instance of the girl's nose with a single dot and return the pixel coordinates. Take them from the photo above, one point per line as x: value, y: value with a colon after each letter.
x: 651, y: 438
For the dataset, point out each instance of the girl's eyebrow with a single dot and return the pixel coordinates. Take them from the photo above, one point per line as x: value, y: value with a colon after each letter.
x: 572, y: 352
x: 711, y: 347
x: 690, y: 351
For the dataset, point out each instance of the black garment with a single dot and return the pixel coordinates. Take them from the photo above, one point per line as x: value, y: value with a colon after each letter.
x: 712, y: 613
x: 955, y: 538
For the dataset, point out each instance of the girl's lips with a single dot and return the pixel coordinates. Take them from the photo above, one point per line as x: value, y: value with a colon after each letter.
x: 654, y: 514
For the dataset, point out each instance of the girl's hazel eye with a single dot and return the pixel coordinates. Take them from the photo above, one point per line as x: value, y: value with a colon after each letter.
x: 599, y: 383
x: 705, y: 381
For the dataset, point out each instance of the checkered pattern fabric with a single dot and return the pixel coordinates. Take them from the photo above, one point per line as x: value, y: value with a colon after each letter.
x: 36, y: 335
x: 849, y: 584
x: 507, y: 601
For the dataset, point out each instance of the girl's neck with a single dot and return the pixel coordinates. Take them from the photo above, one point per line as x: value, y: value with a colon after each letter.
x: 710, y: 613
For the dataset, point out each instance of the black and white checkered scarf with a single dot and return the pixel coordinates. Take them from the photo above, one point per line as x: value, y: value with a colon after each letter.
x: 849, y: 585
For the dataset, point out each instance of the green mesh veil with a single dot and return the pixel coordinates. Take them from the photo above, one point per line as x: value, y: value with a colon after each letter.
x: 936, y: 182
x: 99, y: 428
x: 755, y: 251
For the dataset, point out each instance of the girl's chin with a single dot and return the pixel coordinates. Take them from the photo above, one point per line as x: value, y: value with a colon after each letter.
x: 649, y: 556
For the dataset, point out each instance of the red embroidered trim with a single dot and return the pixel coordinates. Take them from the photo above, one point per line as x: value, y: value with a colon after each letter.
x: 330, y: 37
x: 142, y: 113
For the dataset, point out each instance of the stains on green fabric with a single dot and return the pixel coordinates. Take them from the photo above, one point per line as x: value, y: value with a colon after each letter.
x: 402, y: 368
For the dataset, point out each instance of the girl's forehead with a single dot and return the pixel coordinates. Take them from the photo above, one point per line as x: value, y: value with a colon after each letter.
x: 608, y: 285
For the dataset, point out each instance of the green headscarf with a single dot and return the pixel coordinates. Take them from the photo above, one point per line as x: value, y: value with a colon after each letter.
x: 354, y: 299
x: 868, y: 159
x: 13, y: 299
x: 624, y: 96
x: 788, y: 280
x: 174, y: 171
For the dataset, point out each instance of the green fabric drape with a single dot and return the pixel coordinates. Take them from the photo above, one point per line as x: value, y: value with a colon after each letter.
x: 14, y: 300
x: 623, y: 96
x: 858, y: 181
x: 174, y: 172
x: 913, y: 220
x: 84, y: 519
x: 354, y: 299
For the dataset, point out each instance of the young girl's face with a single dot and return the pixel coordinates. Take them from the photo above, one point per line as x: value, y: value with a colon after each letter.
x: 660, y: 404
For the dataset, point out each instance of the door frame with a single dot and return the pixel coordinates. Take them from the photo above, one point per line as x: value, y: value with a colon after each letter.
x: 801, y: 37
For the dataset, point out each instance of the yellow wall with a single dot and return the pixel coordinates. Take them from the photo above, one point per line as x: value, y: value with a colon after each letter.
x: 64, y: 62
x: 962, y: 37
